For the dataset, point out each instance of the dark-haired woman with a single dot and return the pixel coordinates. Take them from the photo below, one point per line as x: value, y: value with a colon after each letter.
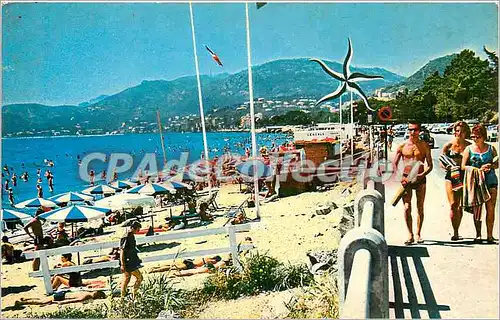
x: 480, y: 156
x: 129, y: 260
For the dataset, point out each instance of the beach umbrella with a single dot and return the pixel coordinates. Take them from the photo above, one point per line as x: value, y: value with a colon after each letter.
x: 71, y: 197
x: 101, y: 189
x: 121, y: 184
x: 14, y: 216
x: 247, y: 169
x: 151, y: 189
x: 172, y: 184
x: 36, y: 203
x: 126, y: 200
x: 75, y: 213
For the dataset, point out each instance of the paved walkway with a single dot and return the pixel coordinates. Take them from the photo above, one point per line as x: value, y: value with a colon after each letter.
x: 440, y: 278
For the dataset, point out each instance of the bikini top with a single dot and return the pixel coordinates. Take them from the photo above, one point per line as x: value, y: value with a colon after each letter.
x: 453, y: 154
x: 477, y: 159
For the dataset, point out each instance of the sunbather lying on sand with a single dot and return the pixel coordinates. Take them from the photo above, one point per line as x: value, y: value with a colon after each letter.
x: 192, y: 264
x: 62, y: 298
x: 113, y: 255
x: 204, y: 269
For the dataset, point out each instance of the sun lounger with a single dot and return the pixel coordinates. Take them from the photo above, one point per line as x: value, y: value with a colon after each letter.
x: 185, y: 217
x: 211, y: 200
x: 204, y: 193
x: 233, y: 211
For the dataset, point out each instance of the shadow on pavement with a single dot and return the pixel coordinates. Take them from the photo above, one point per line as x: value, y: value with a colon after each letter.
x: 408, y: 255
x: 463, y: 243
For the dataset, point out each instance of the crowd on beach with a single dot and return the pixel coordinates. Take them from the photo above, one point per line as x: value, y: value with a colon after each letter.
x: 126, y: 254
x: 471, y: 182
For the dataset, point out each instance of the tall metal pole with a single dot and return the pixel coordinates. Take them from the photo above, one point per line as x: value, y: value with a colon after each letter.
x: 352, y: 132
x: 161, y: 138
x: 205, y: 144
x: 341, y: 131
x: 252, y: 114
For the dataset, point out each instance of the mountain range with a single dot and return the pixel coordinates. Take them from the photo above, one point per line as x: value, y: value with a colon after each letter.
x: 275, y: 80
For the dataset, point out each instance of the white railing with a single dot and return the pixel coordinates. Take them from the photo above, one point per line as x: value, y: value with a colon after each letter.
x: 363, y: 266
x: 46, y: 272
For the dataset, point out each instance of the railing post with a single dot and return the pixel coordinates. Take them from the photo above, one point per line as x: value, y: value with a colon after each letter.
x: 234, y: 247
x: 357, y: 302
x: 44, y: 265
x: 378, y: 211
x: 374, y: 242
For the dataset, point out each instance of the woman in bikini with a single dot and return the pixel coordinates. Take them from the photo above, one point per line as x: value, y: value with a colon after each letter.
x: 480, y: 155
x: 189, y: 264
x: 73, y: 279
x: 415, y: 152
x: 454, y: 151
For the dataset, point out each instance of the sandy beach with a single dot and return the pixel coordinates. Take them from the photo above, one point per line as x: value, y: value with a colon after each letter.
x: 289, y: 228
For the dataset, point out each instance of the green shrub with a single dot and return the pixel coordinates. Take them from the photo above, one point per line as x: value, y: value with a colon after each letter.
x: 319, y: 300
x: 260, y: 273
x: 155, y: 294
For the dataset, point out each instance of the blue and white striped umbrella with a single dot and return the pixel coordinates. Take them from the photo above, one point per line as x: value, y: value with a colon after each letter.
x: 35, y: 203
x: 171, y: 184
x: 101, y: 189
x: 71, y: 197
x: 11, y: 215
x: 246, y: 169
x: 151, y: 189
x: 122, y: 184
x: 75, y: 213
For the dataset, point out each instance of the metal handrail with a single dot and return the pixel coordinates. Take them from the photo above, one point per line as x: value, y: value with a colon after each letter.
x: 357, y: 301
x: 363, y: 266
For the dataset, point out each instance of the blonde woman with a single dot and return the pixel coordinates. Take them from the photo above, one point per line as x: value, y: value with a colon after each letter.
x: 453, y: 151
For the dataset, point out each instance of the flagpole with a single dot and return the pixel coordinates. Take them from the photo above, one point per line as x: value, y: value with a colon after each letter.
x: 252, y: 113
x: 161, y: 138
x: 352, y: 132
x: 205, y: 145
x: 341, y: 131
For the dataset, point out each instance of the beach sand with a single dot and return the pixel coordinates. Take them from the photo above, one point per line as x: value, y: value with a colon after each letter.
x: 289, y: 228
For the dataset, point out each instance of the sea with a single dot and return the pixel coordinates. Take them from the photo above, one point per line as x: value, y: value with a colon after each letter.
x: 30, y: 154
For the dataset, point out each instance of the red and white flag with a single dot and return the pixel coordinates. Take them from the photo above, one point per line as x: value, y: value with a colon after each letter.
x: 214, y: 56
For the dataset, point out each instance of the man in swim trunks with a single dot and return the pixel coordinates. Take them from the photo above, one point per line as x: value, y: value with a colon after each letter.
x: 62, y: 298
x: 412, y: 152
x: 36, y: 228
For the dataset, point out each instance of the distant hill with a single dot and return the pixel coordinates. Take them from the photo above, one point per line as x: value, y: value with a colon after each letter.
x: 416, y: 80
x: 279, y: 79
x: 92, y: 101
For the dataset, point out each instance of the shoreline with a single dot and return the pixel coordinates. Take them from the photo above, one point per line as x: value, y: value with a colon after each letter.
x: 306, y: 232
x: 123, y: 134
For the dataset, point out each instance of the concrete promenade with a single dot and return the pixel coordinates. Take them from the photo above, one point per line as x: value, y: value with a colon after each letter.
x: 440, y: 278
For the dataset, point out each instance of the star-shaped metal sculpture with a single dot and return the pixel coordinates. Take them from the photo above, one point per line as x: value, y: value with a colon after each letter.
x: 347, y: 79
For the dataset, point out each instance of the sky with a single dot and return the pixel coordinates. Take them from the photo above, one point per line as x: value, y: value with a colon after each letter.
x: 68, y: 53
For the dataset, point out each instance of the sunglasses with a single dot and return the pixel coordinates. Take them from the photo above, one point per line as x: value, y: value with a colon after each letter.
x: 413, y: 130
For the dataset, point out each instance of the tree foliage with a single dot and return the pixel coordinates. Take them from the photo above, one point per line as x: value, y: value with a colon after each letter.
x: 467, y: 89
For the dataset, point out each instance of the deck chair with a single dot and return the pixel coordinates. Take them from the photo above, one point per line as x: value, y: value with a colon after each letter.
x: 211, y: 200
x: 233, y: 211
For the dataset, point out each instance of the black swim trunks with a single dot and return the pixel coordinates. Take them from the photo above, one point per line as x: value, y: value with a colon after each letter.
x: 189, y: 263
x: 418, y: 183
x: 59, y: 296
